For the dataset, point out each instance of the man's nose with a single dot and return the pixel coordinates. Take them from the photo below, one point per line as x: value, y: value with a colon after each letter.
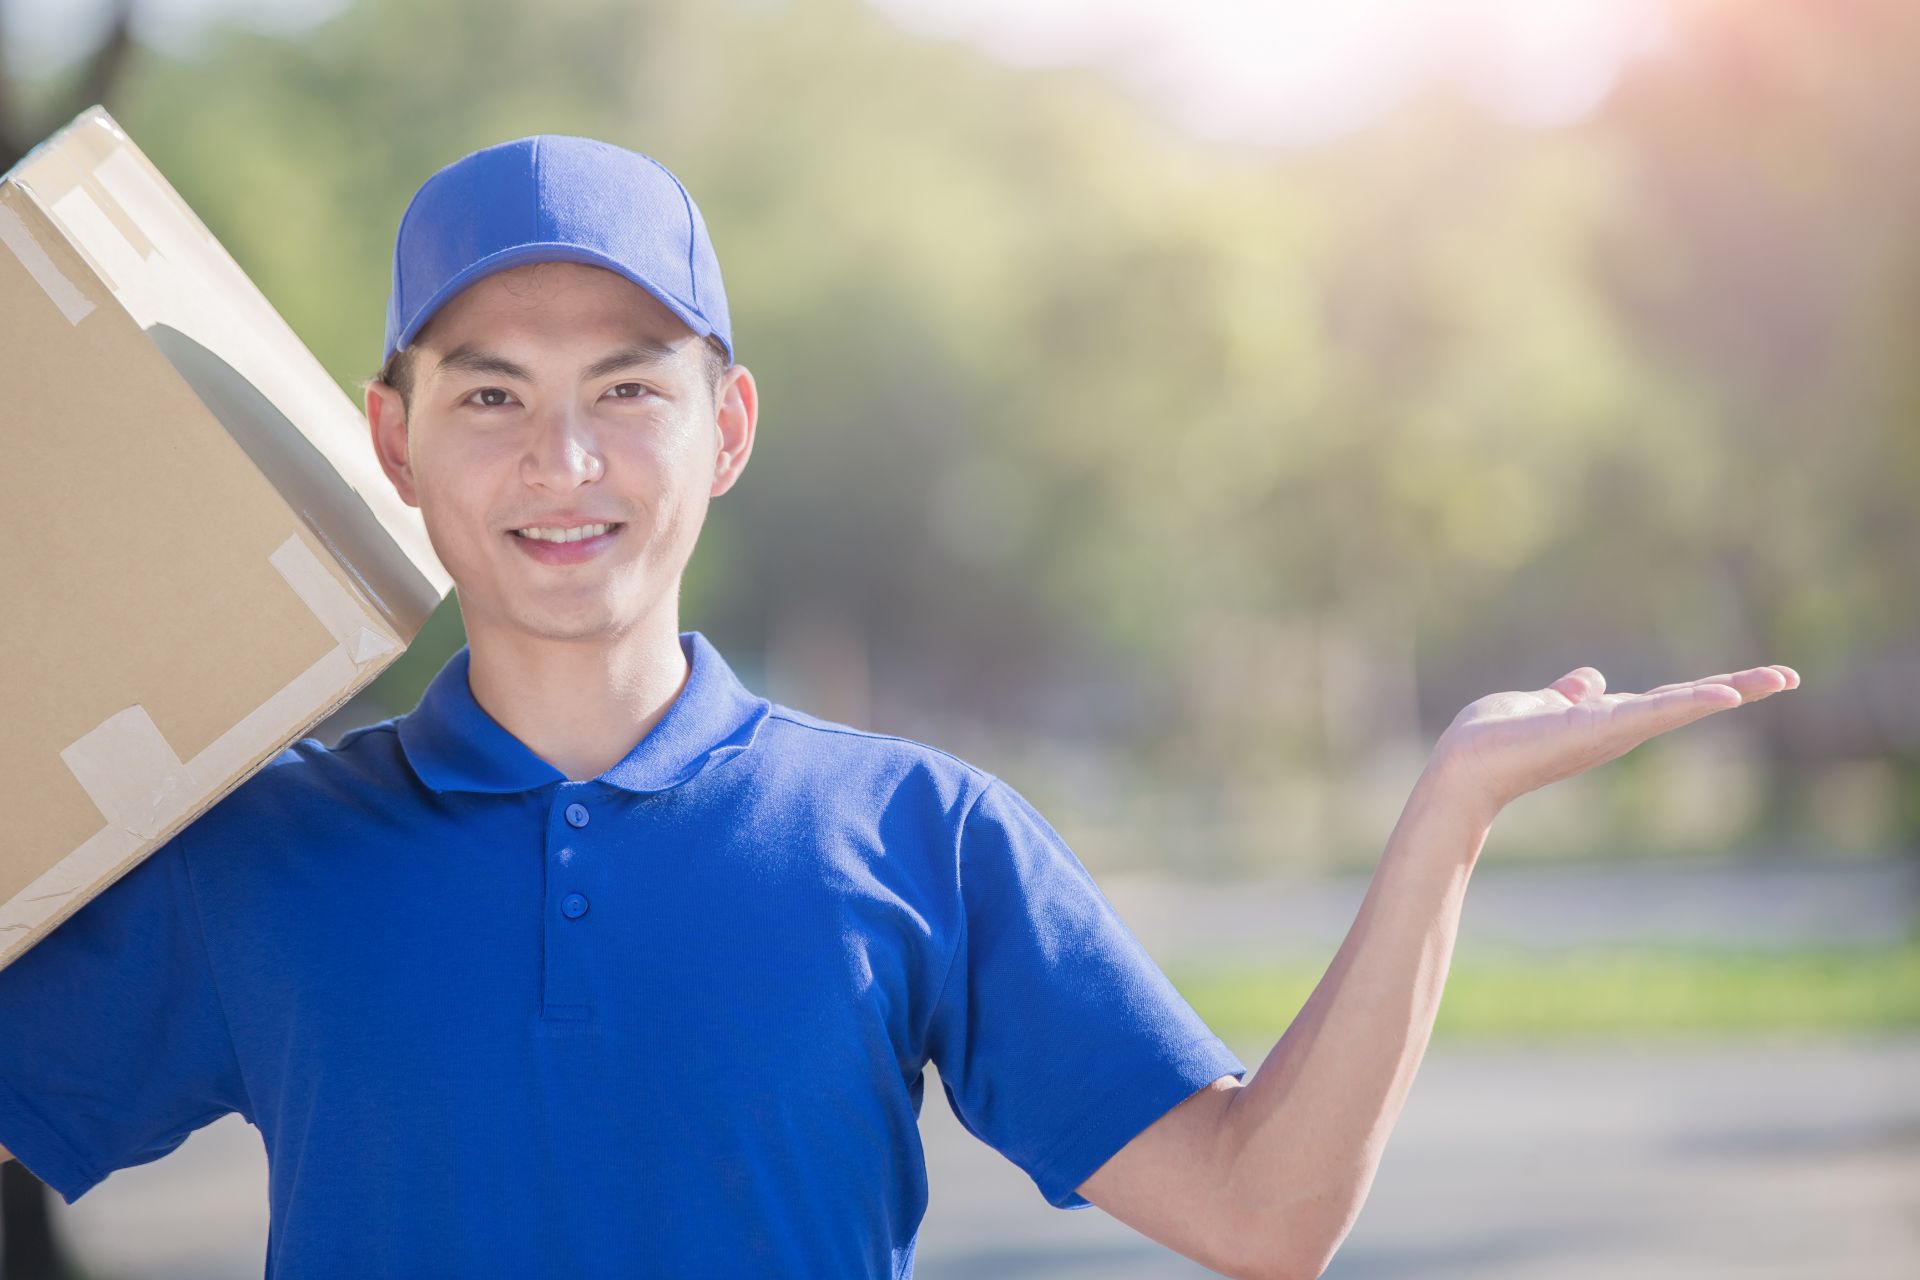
x: 563, y: 451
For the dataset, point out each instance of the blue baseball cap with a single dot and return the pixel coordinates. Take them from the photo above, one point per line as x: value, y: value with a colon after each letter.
x: 553, y: 197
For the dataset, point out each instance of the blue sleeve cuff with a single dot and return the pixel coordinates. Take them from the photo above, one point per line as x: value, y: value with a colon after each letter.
x: 41, y: 1148
x: 1113, y: 1117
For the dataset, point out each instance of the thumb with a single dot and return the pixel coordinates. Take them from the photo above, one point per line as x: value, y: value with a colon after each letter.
x: 1580, y: 684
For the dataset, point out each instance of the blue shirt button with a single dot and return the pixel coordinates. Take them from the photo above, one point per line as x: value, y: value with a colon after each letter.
x: 577, y: 815
x: 575, y: 905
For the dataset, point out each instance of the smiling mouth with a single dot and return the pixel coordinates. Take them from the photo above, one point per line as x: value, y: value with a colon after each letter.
x: 561, y: 537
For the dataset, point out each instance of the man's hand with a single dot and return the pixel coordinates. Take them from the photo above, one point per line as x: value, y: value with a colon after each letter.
x: 1506, y: 744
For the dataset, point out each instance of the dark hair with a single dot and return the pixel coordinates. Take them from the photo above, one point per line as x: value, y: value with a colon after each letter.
x: 399, y: 370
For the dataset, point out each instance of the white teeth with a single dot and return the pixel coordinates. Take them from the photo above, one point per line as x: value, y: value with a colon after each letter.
x: 565, y: 535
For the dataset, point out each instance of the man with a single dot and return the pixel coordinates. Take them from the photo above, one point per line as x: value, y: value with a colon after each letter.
x: 596, y: 963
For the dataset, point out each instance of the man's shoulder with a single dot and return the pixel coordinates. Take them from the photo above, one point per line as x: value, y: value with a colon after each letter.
x: 803, y: 731
x: 364, y: 768
x: 846, y: 753
x: 367, y: 756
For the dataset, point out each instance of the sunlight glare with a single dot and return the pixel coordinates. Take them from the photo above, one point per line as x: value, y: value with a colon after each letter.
x: 1294, y: 73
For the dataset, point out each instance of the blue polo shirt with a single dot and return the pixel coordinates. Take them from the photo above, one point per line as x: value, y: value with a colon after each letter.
x: 671, y: 1021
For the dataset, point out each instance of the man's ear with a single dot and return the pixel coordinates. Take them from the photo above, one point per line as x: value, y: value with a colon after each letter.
x: 387, y: 421
x: 736, y: 411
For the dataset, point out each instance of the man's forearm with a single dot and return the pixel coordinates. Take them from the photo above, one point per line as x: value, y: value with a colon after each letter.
x: 1307, y: 1131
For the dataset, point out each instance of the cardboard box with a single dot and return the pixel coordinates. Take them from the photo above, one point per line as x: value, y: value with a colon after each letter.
x: 205, y: 558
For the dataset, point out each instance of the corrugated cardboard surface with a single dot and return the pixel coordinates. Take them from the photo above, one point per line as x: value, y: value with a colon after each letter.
x: 240, y: 357
x: 193, y: 582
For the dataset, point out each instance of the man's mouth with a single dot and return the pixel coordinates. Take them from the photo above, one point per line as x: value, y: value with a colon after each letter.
x: 576, y: 534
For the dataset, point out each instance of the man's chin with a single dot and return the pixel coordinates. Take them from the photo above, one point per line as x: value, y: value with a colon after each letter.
x: 569, y: 631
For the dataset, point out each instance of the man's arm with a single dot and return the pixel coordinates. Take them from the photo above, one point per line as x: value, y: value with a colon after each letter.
x: 5, y: 1155
x: 1285, y: 1160
x: 1272, y: 1173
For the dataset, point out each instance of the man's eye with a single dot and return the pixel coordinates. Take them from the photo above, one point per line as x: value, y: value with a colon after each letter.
x: 490, y: 391
x: 639, y: 390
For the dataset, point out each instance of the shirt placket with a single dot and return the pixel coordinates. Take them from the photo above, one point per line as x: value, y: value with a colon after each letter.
x: 574, y: 875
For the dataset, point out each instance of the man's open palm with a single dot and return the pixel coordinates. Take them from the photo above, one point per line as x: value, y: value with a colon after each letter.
x: 1507, y: 744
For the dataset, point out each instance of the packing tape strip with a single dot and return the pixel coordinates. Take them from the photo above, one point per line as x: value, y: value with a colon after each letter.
x: 73, y: 304
x: 343, y: 616
x: 141, y: 787
x: 87, y: 224
x: 123, y: 179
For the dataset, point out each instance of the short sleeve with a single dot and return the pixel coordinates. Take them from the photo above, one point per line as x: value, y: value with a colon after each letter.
x: 113, y: 1044
x: 1056, y: 1037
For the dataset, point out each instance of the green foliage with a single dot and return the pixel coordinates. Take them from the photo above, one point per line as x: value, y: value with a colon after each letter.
x: 1049, y: 389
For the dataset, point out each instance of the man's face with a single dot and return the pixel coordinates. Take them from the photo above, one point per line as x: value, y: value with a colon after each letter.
x: 557, y: 395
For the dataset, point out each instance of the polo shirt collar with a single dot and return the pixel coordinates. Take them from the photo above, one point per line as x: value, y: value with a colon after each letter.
x: 455, y: 745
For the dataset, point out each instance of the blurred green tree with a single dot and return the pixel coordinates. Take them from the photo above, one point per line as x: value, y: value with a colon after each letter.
x: 1191, y: 470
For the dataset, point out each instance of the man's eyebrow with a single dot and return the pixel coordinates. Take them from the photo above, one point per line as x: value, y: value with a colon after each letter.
x: 471, y: 359
x: 646, y: 351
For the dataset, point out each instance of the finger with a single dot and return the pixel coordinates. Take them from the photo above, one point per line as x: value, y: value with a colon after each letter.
x: 1646, y: 715
x: 1580, y: 684
x: 1754, y: 682
x: 1723, y: 678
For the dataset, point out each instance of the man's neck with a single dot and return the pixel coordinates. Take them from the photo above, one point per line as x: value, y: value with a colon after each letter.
x: 581, y: 706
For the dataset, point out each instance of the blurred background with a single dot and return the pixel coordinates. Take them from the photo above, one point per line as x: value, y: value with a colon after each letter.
x: 1182, y: 409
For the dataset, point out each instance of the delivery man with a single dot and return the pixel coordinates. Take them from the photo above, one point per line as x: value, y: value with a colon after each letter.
x: 597, y: 963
